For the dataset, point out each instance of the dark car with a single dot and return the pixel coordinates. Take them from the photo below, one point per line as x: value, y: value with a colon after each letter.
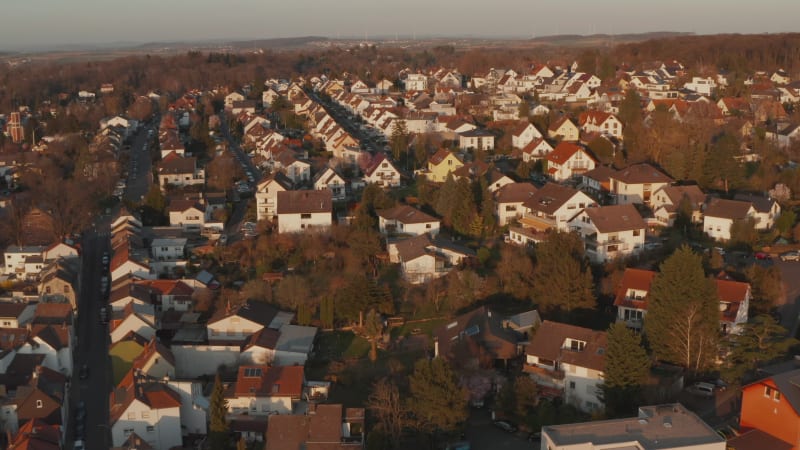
x: 505, y: 425
x: 84, y: 372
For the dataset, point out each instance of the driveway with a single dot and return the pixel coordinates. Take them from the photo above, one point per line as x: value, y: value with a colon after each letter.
x: 482, y: 435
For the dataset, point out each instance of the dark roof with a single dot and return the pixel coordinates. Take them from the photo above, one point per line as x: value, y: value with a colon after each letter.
x: 609, y: 219
x: 637, y: 279
x: 788, y: 383
x: 306, y: 201
x: 550, y: 197
x: 548, y: 343
x: 760, y: 203
x: 174, y: 164
x: 727, y: 209
x: 406, y: 214
x: 515, y: 193
x: 480, y: 327
x: 600, y: 173
x: 641, y: 174
x: 268, y: 381
x: 757, y: 440
x: 693, y: 192
x: 413, y: 247
x: 12, y: 309
x: 258, y: 312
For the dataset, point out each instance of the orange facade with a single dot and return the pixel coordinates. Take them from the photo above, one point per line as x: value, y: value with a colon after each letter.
x: 766, y: 409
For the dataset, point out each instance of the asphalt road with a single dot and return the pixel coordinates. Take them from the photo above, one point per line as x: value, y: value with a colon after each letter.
x: 92, y: 349
x: 790, y: 309
x: 140, y: 177
x: 345, y: 120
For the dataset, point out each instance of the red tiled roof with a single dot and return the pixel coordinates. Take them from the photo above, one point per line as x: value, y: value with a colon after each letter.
x: 637, y: 279
x: 564, y: 151
x: 269, y: 381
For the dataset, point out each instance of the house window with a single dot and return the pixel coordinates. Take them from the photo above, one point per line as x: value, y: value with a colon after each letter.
x: 776, y: 396
x: 572, y: 385
x: 768, y: 391
x: 151, y: 429
x: 428, y: 226
x: 305, y: 216
x: 637, y: 232
x: 128, y: 431
x: 39, y: 403
x: 131, y: 416
x: 47, y: 290
x: 276, y: 388
x: 145, y: 414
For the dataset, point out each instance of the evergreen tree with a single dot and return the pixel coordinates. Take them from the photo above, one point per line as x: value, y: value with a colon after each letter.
x: 562, y: 281
x: 446, y: 198
x: 399, y: 139
x: 723, y: 171
x: 682, y: 319
x: 627, y: 368
x: 437, y: 401
x: 218, y: 430
x: 759, y: 341
x: 767, y: 285
x: 463, y: 210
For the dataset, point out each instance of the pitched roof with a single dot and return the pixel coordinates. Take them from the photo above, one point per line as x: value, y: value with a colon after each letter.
x: 268, y: 381
x: 564, y: 151
x: 761, y: 203
x: 676, y: 193
x: 257, y: 312
x: 12, y: 309
x: 637, y: 279
x: 36, y: 435
x: 406, y: 214
x: 515, y: 193
x: 480, y: 327
x: 550, y: 198
x: 305, y: 201
x: 601, y: 174
x: 732, y: 294
x: 558, y: 123
x: 173, y: 164
x: 788, y: 384
x: 609, y: 219
x: 53, y: 313
x: 154, y: 394
x: 641, y: 174
x: 379, y: 159
x: 756, y: 439
x: 413, y: 247
x: 549, y: 343
x: 727, y: 209
x: 440, y: 156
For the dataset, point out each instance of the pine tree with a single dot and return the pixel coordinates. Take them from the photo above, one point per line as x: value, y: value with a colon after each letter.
x: 759, y: 341
x: 627, y: 368
x: 218, y: 430
x: 399, y: 139
x: 562, y: 281
x: 437, y: 401
x: 682, y: 320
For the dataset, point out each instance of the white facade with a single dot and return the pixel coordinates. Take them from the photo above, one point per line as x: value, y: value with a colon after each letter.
x: 525, y: 137
x: 267, y: 199
x: 15, y: 258
x: 704, y: 86
x: 161, y: 428
x: 260, y: 406
x: 130, y: 267
x: 232, y: 328
x: 194, y: 406
x: 600, y: 246
x: 193, y: 361
x: 638, y: 193
x: 416, y: 82
x: 168, y: 249
x: 132, y: 323
x: 300, y: 222
x: 190, y: 219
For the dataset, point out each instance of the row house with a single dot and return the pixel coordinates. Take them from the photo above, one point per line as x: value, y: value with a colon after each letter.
x: 147, y: 408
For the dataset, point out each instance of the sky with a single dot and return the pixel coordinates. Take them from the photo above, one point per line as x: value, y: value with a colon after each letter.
x: 50, y: 24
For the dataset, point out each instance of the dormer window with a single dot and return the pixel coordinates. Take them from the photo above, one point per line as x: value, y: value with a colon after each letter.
x: 39, y: 404
x: 276, y: 388
x: 575, y: 345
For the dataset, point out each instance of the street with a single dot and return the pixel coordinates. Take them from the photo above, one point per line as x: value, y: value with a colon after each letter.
x: 483, y: 435
x: 790, y: 308
x: 140, y: 177
x: 92, y: 347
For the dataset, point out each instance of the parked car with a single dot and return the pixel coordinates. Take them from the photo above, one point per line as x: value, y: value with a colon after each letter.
x: 792, y: 255
x: 762, y: 256
x: 84, y: 372
x: 78, y: 445
x: 505, y: 425
x: 701, y: 389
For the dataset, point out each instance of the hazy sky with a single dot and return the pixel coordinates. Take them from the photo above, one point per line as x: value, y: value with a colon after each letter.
x: 52, y: 23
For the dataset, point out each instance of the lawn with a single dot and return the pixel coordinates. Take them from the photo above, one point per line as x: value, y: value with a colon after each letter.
x: 418, y: 327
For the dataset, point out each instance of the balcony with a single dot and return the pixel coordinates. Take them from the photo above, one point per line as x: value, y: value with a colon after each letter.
x: 545, y: 376
x: 539, y: 223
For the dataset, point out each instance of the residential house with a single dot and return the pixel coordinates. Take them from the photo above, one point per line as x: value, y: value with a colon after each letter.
x: 598, y: 180
x: 150, y: 409
x: 238, y: 324
x: 179, y: 171
x: 509, y: 200
x: 54, y: 343
x: 58, y: 281
x: 477, y: 339
x: 155, y: 361
x: 568, y: 361
x: 288, y: 346
x: 125, y: 262
x: 303, y: 211
x: 441, y: 164
x: 536, y: 149
x: 231, y: 98
x: 168, y: 249
x: 478, y: 139
x: 416, y: 82
x: 666, y: 203
x: 720, y: 214
x: 16, y: 257
x: 767, y: 209
x: 405, y: 219
x: 43, y: 398
x: 59, y: 250
x: 631, y: 296
x: 661, y: 427
x: 328, y: 426
x: 331, y: 180
x: 568, y: 160
x: 637, y: 183
x: 423, y: 259
x: 523, y: 134
x: 552, y: 206
x: 188, y: 214
x: 610, y: 232
x: 37, y: 435
x: 16, y: 314
x: 264, y: 390
x: 133, y: 318
x: 771, y: 406
x: 382, y: 172
x: 704, y: 86
x: 734, y: 303
x: 564, y: 129
x: 267, y: 195
x: 600, y: 122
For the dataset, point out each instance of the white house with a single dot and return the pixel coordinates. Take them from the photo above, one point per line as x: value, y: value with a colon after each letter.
x: 600, y: 122
x: 416, y: 82
x: 189, y: 215
x: 704, y: 86
x: 267, y: 195
x: 331, y: 180
x: 382, y: 172
x: 134, y: 318
x: 405, y: 219
x: 767, y: 209
x: 536, y: 150
x: 569, y: 359
x: 509, y: 201
x: 552, y: 206
x: 478, y: 139
x: 610, y: 232
x: 179, y: 171
x: 568, y: 160
x: 631, y: 297
x: 301, y: 211
x: 168, y: 249
x: 231, y: 98
x: 151, y: 409
x: 239, y: 324
x: 16, y: 314
x: 564, y: 129
x: 720, y: 214
x: 54, y: 343
x: 15, y: 257
x: 261, y: 390
x: 666, y: 203
x: 637, y: 183
x: 523, y: 134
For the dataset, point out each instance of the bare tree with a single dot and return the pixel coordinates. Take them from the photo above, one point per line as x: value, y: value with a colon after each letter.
x: 389, y: 409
